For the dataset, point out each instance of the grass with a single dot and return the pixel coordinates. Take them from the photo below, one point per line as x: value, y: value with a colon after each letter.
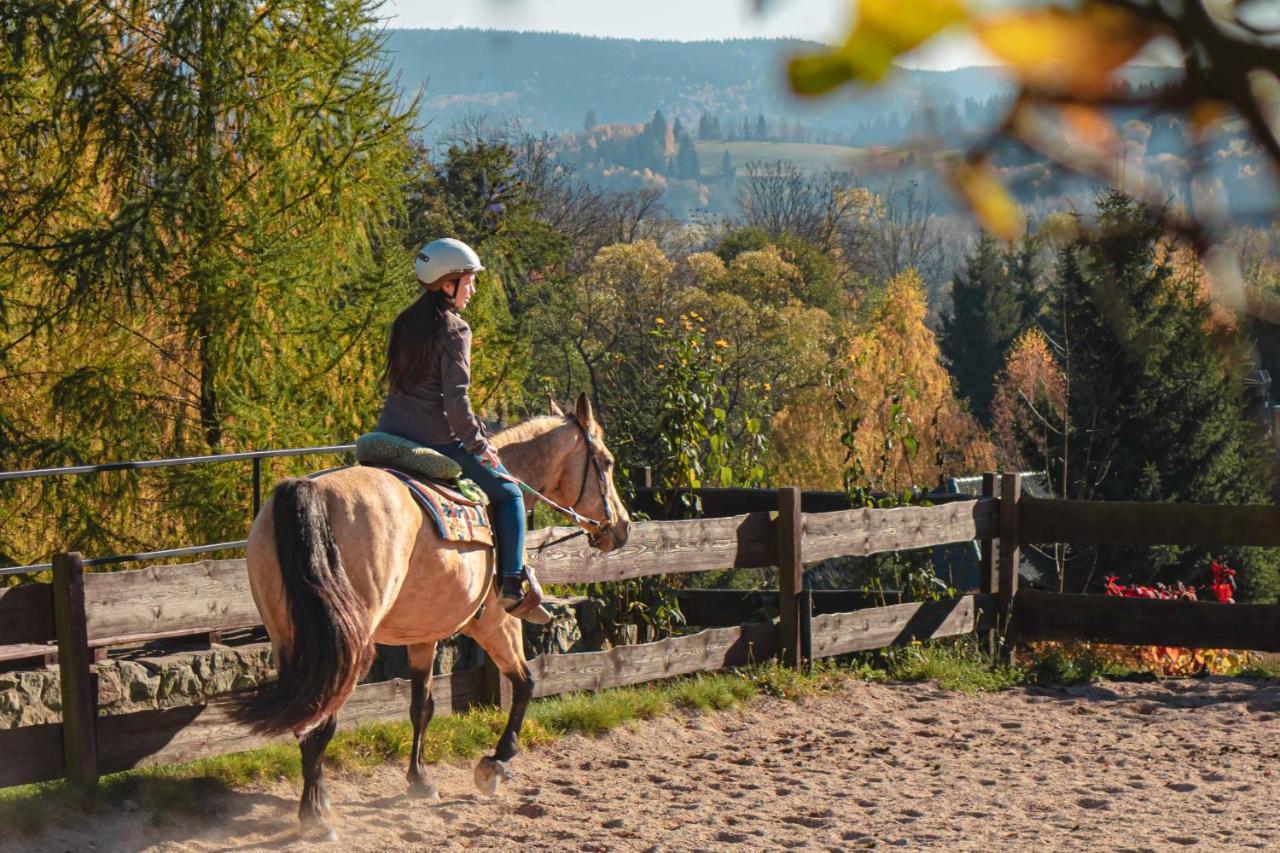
x: 955, y: 664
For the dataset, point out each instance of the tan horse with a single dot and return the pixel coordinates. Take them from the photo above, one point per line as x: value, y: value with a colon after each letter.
x: 344, y: 561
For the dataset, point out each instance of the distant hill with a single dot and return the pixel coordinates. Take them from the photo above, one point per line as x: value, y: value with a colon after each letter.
x: 551, y: 80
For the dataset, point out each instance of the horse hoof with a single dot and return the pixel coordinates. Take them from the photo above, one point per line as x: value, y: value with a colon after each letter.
x: 318, y: 830
x: 424, y: 790
x: 489, y: 774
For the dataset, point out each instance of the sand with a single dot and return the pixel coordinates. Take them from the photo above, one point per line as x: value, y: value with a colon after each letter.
x: 1182, y: 764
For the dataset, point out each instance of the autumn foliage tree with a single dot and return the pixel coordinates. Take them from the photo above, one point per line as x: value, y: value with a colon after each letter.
x: 891, y: 413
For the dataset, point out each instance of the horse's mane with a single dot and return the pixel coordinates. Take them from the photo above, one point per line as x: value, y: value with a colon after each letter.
x: 531, y: 428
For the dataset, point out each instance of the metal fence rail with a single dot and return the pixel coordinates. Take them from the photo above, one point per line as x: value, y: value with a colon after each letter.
x: 255, y: 456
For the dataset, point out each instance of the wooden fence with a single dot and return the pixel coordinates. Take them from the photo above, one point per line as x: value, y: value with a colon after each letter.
x: 80, y: 614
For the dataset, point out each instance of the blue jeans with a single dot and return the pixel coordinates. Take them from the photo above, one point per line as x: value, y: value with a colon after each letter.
x: 506, y: 502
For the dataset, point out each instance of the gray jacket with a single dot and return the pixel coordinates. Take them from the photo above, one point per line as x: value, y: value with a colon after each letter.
x: 435, y: 409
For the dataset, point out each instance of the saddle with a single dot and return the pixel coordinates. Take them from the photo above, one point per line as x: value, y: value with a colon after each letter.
x: 457, y: 506
x: 457, y: 518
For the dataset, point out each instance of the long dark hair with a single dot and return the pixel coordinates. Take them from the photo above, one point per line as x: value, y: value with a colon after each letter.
x: 414, y: 336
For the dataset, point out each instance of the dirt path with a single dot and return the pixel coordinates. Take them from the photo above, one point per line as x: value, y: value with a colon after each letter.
x: 1122, y: 766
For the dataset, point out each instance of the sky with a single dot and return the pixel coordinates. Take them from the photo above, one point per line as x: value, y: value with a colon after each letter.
x: 682, y: 20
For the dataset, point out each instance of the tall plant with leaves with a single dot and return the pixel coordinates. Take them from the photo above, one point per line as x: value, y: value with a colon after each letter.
x: 200, y: 232
x: 697, y: 446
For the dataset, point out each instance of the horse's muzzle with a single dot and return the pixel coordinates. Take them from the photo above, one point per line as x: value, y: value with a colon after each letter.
x: 611, y: 537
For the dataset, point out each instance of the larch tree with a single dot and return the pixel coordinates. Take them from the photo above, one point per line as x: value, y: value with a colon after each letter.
x: 199, y: 233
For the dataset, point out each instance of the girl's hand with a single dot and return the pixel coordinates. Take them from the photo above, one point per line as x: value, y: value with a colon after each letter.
x: 490, y: 457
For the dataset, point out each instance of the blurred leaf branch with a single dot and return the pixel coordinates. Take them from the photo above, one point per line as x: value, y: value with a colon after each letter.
x: 1066, y: 60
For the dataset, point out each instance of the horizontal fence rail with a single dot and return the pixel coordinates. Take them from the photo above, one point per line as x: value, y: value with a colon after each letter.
x: 149, y: 738
x: 1122, y: 620
x: 178, y: 460
x: 655, y: 548
x: 1131, y: 523
x: 879, y: 627
x: 709, y: 650
x: 863, y: 532
x: 255, y: 456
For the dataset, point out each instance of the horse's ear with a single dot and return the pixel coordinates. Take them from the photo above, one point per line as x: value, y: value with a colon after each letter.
x: 554, y: 406
x: 582, y: 411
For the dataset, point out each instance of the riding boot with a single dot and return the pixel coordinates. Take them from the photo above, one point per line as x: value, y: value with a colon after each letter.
x: 512, y: 592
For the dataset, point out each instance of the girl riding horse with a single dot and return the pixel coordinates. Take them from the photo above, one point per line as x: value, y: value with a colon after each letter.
x: 428, y: 372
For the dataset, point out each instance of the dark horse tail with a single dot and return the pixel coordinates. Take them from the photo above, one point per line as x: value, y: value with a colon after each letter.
x: 329, y: 649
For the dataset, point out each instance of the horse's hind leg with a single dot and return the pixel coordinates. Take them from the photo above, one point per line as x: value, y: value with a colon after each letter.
x: 315, y: 801
x: 421, y: 707
x: 502, y: 638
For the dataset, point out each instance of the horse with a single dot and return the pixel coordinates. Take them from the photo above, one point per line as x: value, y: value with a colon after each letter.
x: 346, y: 560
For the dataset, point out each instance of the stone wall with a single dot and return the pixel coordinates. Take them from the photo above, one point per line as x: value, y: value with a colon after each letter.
x: 144, y: 681
x: 138, y: 683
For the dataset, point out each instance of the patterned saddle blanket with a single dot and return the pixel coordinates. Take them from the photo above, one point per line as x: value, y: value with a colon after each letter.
x: 457, y: 518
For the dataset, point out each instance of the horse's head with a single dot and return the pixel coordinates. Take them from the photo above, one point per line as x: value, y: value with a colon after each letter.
x: 587, y: 480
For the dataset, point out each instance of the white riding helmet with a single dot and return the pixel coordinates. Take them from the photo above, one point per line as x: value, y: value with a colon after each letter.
x: 444, y: 257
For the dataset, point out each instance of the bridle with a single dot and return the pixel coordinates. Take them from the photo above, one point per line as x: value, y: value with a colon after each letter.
x: 603, y: 527
x: 593, y: 461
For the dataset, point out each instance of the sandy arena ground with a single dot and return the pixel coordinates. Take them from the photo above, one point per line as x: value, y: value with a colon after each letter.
x: 1177, y: 765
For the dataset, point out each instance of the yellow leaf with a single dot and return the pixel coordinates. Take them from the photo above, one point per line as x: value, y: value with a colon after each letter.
x: 884, y: 30
x: 1060, y: 50
x: 1090, y: 124
x: 991, y: 203
x: 1205, y: 114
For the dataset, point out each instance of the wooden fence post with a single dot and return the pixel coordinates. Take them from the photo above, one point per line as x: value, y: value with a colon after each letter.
x: 987, y: 562
x: 1010, y: 492
x: 79, y: 693
x: 790, y: 538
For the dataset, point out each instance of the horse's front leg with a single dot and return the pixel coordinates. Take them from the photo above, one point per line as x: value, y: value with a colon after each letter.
x: 421, y: 706
x: 502, y: 638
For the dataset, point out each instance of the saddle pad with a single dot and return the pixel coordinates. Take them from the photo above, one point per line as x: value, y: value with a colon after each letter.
x: 385, y: 449
x: 456, y: 518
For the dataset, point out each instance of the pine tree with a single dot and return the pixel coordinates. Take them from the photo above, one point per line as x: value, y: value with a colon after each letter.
x: 655, y: 135
x: 1156, y: 408
x: 727, y: 170
x: 987, y: 315
x: 688, y: 166
x: 589, y: 123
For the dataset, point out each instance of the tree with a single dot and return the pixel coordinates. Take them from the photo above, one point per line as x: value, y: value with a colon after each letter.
x: 589, y: 123
x: 200, y: 218
x: 987, y: 314
x: 687, y: 165
x: 895, y: 231
x: 1155, y: 409
x: 779, y: 198
x: 891, y: 411
x: 727, y: 170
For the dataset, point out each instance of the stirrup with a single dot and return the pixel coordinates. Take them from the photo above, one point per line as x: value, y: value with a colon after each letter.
x: 529, y: 608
